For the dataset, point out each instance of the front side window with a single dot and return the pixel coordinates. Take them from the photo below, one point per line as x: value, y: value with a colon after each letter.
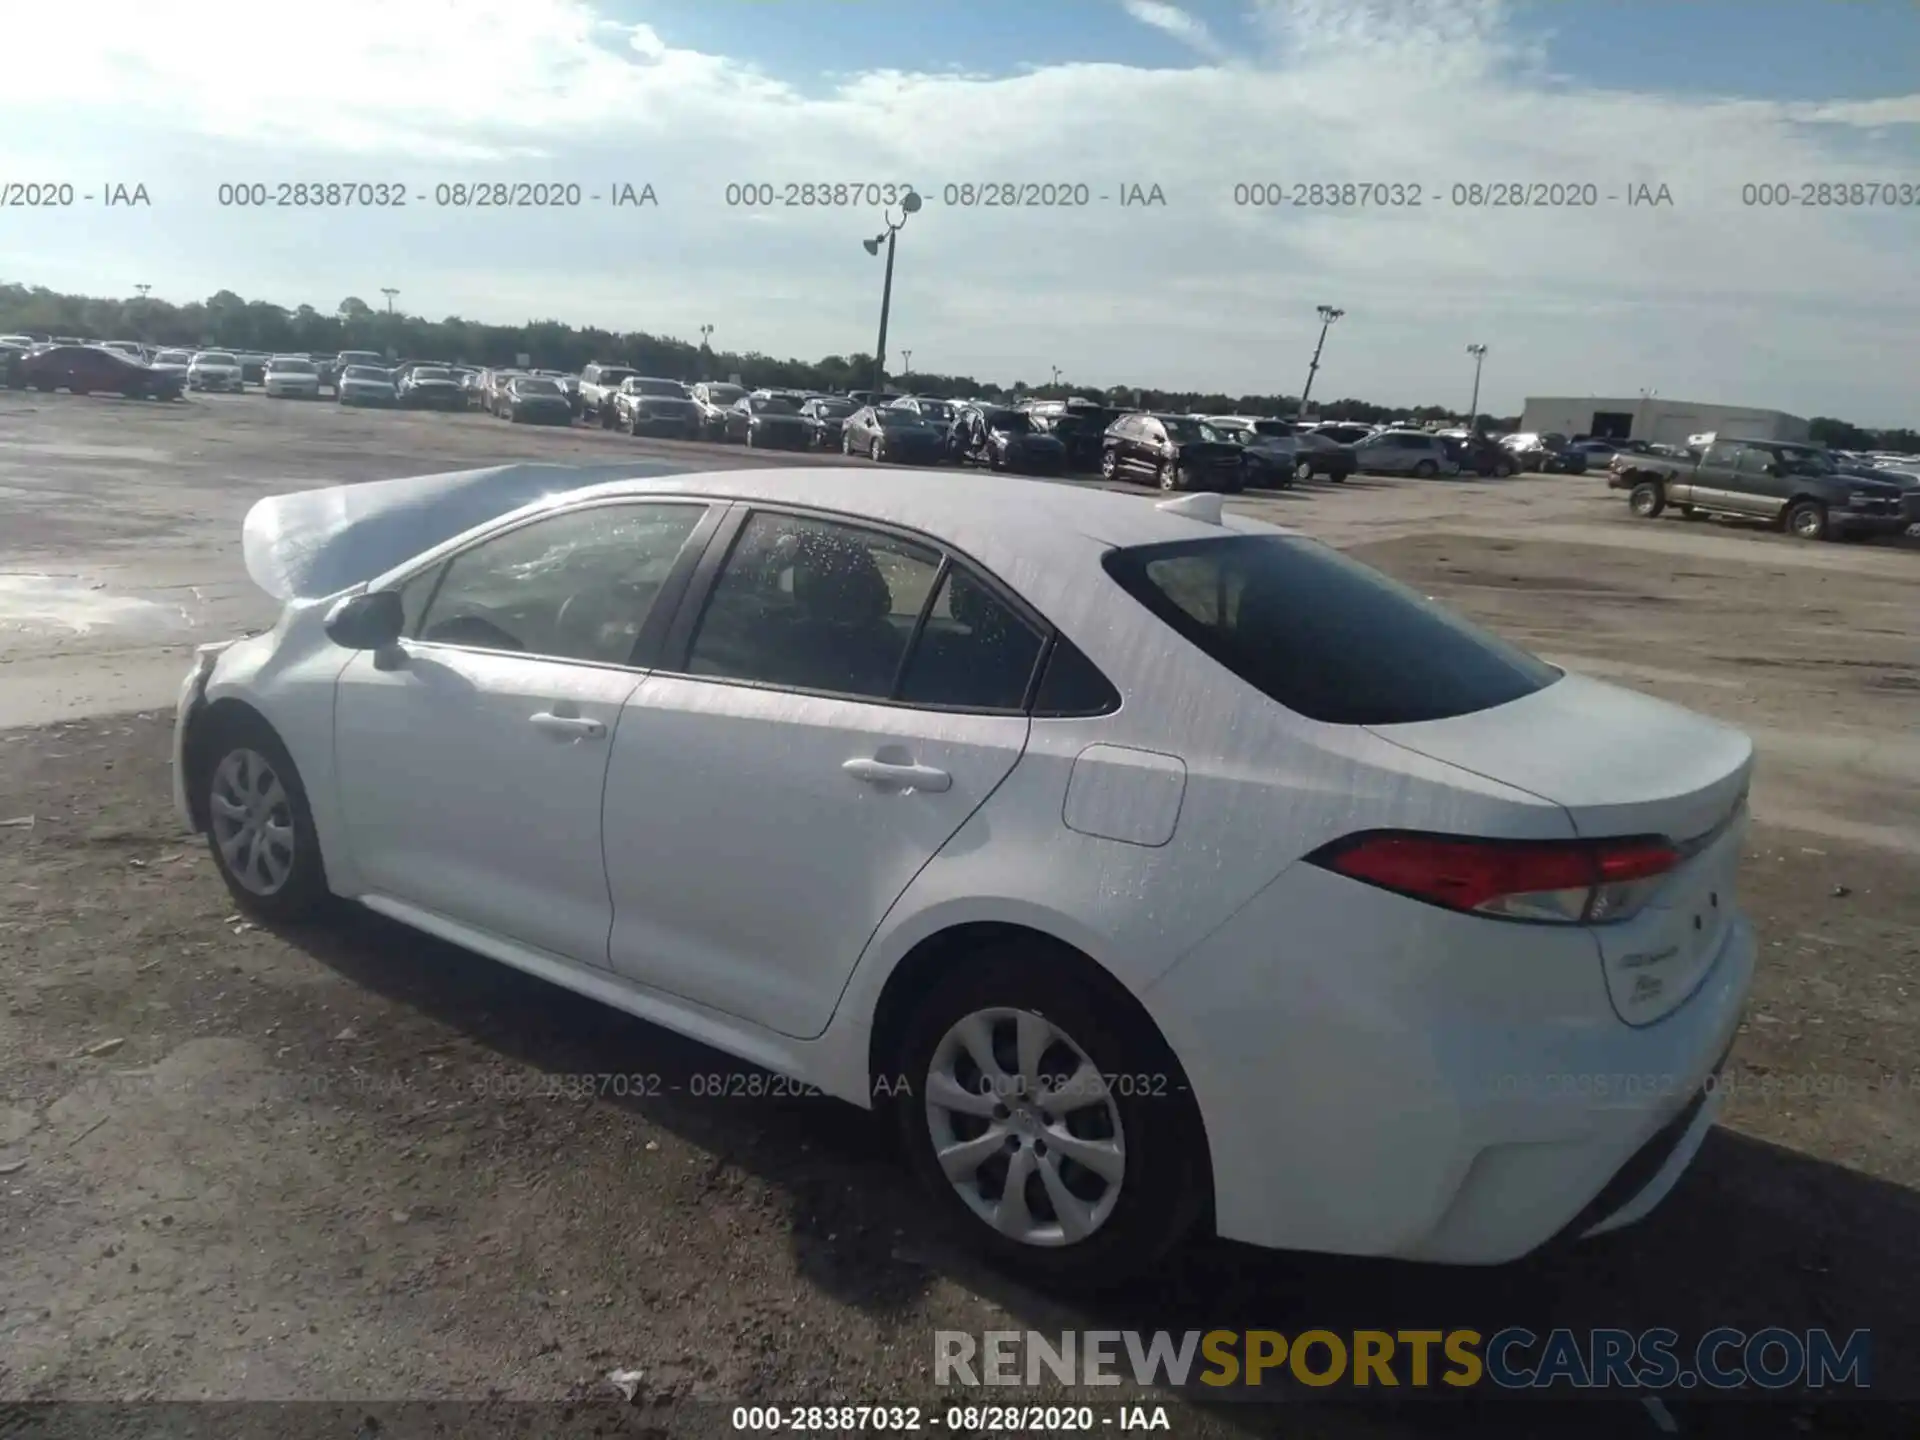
x: 809, y: 604
x: 574, y: 586
x: 1327, y: 637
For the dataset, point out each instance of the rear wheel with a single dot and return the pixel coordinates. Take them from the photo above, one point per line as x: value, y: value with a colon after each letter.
x: 259, y: 823
x: 1109, y: 466
x: 1807, y: 520
x: 1167, y: 476
x: 1647, y: 500
x: 1303, y: 471
x: 1426, y: 470
x: 879, y: 450
x: 846, y: 443
x: 1011, y: 1127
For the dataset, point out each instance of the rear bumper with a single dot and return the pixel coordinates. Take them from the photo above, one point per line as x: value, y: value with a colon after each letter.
x: 1393, y: 1080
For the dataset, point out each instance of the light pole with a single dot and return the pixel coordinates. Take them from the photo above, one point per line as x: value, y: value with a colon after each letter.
x: 1479, y: 354
x: 906, y: 367
x: 389, y: 292
x: 706, y: 351
x: 1328, y: 314
x: 1056, y: 376
x: 909, y: 204
x: 143, y: 289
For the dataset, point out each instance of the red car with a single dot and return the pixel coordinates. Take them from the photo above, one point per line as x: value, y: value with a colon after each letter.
x: 84, y: 369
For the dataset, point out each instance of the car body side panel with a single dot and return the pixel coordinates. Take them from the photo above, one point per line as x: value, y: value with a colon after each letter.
x: 1263, y: 788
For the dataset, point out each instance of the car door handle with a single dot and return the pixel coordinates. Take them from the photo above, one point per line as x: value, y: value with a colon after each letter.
x: 906, y: 777
x: 574, y: 727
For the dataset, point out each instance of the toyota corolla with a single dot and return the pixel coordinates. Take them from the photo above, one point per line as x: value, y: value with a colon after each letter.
x: 1154, y: 866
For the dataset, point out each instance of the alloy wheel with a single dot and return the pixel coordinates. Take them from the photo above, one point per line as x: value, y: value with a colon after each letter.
x: 1024, y: 1128
x: 252, y: 820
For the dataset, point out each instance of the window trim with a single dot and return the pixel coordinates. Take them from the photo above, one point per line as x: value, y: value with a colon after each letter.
x: 676, y: 652
x: 652, y: 629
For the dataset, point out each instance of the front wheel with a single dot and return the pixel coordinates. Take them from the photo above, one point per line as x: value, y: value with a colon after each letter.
x: 1426, y: 470
x: 1167, y: 476
x: 846, y: 444
x: 1807, y: 520
x: 1303, y: 471
x: 1109, y: 467
x: 879, y: 451
x: 1016, y: 1119
x: 259, y: 823
x: 1647, y: 500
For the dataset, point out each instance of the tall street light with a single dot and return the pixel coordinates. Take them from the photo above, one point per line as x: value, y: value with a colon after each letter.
x: 389, y: 292
x: 1479, y: 354
x: 143, y: 289
x: 909, y: 204
x: 706, y: 350
x: 1328, y: 314
x: 1056, y: 376
x: 906, y: 367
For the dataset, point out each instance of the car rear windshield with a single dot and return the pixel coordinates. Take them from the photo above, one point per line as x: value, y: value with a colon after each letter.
x: 661, y: 389
x: 1327, y: 637
x: 535, y: 385
x: 295, y: 367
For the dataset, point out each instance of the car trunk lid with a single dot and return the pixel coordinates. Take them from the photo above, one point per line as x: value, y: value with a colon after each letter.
x: 1624, y: 764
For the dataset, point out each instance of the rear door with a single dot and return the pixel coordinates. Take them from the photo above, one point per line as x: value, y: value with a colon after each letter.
x: 1764, y: 482
x: 1716, y: 479
x: 823, y: 721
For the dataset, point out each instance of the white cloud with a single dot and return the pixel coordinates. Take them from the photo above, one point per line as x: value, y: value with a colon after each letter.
x: 1708, y: 298
x: 1172, y: 20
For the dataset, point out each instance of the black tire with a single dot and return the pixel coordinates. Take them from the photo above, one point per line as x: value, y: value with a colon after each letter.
x: 1167, y: 476
x: 1303, y: 471
x: 1426, y: 470
x: 1164, y: 1184
x: 1109, y: 465
x: 1647, y: 499
x: 878, y: 452
x: 1807, y: 520
x: 846, y: 443
x: 304, y: 894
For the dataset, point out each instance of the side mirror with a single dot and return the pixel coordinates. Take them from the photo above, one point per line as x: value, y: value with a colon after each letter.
x: 372, y: 621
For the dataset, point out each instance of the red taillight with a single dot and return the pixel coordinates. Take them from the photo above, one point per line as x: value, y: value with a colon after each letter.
x: 1560, y: 881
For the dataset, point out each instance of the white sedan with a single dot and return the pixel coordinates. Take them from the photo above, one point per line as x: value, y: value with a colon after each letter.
x: 365, y: 385
x: 215, y: 370
x: 292, y: 375
x: 1150, y: 863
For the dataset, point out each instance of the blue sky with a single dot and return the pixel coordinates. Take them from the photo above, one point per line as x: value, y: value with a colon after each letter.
x: 1813, y: 309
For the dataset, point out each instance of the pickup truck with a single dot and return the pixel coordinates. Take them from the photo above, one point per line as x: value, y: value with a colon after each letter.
x: 1798, y: 487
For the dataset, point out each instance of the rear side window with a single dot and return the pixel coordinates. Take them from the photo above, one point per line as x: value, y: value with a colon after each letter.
x: 1325, y: 636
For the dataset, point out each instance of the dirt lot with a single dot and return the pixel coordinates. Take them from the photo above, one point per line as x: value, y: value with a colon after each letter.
x: 235, y: 1165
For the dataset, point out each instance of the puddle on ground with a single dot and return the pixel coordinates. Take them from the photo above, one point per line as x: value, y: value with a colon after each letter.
x: 77, y: 605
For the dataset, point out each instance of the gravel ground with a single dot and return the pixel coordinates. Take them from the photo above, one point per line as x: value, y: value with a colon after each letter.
x: 354, y: 1164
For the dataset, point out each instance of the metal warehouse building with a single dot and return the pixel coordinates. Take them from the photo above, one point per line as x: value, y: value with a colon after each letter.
x: 1661, y: 422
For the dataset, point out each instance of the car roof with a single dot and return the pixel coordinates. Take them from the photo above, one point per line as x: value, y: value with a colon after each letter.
x: 968, y: 511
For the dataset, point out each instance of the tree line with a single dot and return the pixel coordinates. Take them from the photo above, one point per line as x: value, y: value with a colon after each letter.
x: 229, y: 321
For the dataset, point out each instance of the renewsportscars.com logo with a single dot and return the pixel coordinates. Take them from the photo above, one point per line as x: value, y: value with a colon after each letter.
x: 1511, y: 1359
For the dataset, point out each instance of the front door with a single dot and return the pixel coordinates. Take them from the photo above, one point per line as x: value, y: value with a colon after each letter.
x: 768, y: 804
x: 471, y: 758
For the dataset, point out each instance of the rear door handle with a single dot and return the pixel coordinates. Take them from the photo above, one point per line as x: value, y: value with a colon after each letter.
x: 573, y: 727
x: 904, y: 777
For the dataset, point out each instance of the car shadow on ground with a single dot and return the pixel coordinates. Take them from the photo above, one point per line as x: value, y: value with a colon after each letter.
x: 1755, y: 1236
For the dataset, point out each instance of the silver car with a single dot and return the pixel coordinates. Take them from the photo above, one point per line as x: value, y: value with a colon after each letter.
x: 1404, y: 452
